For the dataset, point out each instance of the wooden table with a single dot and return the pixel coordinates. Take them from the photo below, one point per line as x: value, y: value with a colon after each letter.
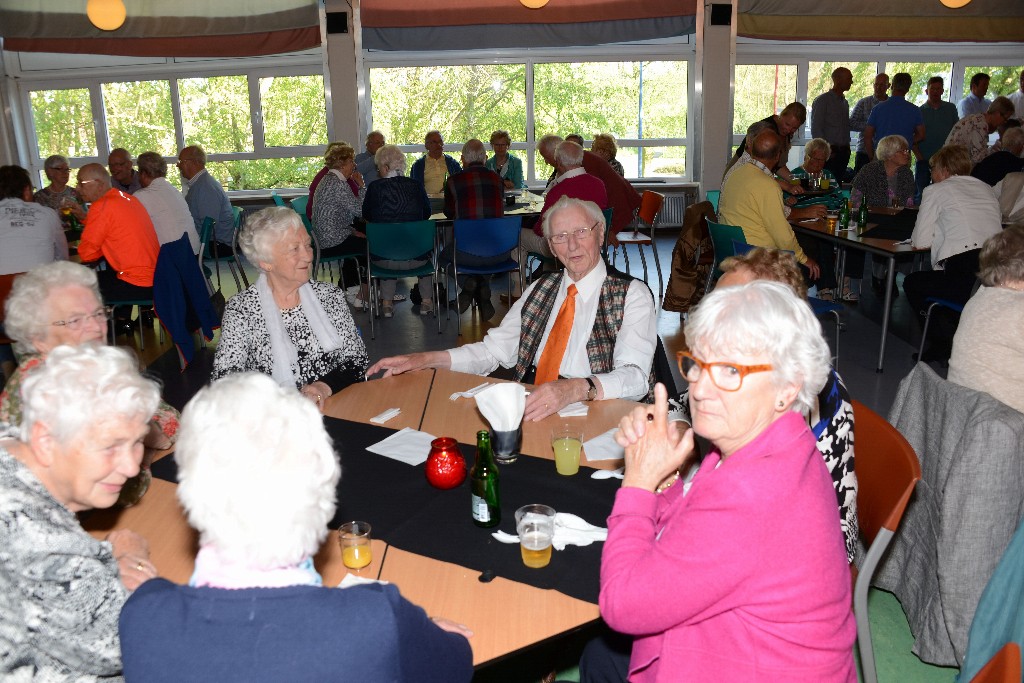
x: 527, y: 615
x: 886, y: 248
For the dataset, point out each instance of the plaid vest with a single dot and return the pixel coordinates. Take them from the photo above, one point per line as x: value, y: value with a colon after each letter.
x: 539, y: 307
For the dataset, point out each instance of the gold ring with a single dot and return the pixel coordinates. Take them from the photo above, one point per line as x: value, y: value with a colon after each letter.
x: 319, y: 398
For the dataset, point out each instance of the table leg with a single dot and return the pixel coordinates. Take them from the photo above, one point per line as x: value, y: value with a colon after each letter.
x: 890, y: 282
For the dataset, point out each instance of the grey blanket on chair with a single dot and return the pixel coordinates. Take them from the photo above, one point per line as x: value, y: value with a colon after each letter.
x: 963, y: 513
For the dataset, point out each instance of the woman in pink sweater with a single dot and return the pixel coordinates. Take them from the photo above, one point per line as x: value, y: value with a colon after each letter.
x: 741, y: 573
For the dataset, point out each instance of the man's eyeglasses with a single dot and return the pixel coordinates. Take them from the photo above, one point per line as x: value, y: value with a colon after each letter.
x: 578, y: 233
x: 725, y: 376
x: 78, y: 321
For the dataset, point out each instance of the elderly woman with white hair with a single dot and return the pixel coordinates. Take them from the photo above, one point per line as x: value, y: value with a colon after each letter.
x: 86, y: 414
x: 605, y: 147
x: 394, y: 198
x: 255, y: 609
x: 298, y: 331
x: 59, y: 304
x: 888, y: 178
x: 717, y: 577
x: 58, y: 195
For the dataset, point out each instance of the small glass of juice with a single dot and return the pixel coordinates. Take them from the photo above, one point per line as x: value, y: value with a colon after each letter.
x: 354, y: 539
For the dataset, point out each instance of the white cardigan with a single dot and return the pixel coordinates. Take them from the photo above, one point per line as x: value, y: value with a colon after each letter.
x: 957, y: 215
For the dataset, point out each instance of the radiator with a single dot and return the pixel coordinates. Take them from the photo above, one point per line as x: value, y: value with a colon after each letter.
x: 674, y: 208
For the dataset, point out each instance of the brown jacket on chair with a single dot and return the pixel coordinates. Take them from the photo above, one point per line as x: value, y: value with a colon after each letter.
x: 692, y: 256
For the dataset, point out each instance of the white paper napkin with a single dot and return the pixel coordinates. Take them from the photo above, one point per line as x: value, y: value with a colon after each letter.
x: 502, y: 405
x: 609, y: 474
x: 578, y: 409
x: 570, y: 529
x: 408, y: 445
x: 353, y: 580
x: 604, y: 447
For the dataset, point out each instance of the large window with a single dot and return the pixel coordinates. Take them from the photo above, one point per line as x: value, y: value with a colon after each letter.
x: 260, y: 130
x: 641, y: 103
x: 761, y: 91
x: 1003, y: 80
x: 920, y: 72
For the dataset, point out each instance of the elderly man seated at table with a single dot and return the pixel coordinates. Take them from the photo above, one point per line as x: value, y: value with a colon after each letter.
x: 792, y: 190
x: 164, y: 203
x: 255, y: 609
x: 587, y: 334
x: 752, y: 200
x: 998, y: 165
x: 300, y: 332
x: 87, y: 412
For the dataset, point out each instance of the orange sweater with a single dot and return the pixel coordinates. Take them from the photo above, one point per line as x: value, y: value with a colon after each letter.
x: 119, y: 229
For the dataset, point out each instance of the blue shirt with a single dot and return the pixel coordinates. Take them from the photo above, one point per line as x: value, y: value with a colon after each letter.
x: 972, y: 104
x: 895, y: 116
x: 205, y: 198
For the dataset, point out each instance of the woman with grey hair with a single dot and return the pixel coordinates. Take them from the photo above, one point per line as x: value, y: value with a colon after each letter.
x: 58, y: 195
x: 59, y: 304
x: 767, y: 589
x: 509, y: 167
x: 338, y: 200
x: 394, y: 198
x: 86, y: 414
x: 298, y: 331
x: 255, y: 566
x: 987, y: 351
x: 888, y: 178
x: 604, y: 146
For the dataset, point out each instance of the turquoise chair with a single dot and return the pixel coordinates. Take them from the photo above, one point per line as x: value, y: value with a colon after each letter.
x: 206, y: 253
x: 713, y: 196
x: 278, y: 199
x: 400, y: 242
x: 299, y: 205
x: 722, y: 236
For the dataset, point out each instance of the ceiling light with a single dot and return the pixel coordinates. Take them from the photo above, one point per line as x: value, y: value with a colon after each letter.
x: 106, y: 15
x: 537, y: 4
x: 954, y: 4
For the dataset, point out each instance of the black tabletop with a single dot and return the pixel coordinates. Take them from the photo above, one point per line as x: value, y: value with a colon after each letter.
x: 897, y: 226
x: 408, y: 513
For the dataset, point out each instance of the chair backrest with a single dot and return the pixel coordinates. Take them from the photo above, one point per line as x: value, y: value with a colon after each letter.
x: 712, y: 196
x: 887, y: 471
x: 722, y: 236
x: 206, y: 231
x: 278, y: 199
x: 1004, y: 667
x: 299, y: 204
x: 237, y: 212
x: 487, y: 237
x: 650, y: 206
x: 400, y: 241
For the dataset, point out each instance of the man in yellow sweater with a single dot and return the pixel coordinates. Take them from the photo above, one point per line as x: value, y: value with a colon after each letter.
x: 752, y: 200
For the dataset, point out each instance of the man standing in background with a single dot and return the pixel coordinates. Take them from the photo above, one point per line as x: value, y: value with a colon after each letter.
x: 975, y: 102
x: 830, y: 120
x: 939, y: 117
x: 859, y: 117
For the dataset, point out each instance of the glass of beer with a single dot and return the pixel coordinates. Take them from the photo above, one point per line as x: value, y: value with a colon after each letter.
x: 535, y: 525
x: 567, y: 442
x: 354, y: 539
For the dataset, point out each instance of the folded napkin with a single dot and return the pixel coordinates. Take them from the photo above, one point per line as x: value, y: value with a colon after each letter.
x: 502, y: 405
x: 609, y: 474
x: 604, y: 447
x: 353, y: 580
x: 578, y: 409
x: 569, y: 530
x: 385, y: 416
x: 408, y: 445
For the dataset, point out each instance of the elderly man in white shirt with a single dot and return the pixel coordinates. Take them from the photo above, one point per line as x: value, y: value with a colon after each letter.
x: 164, y: 204
x: 586, y: 334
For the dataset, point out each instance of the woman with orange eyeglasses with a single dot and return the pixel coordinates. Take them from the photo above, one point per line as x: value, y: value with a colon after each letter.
x: 739, y: 573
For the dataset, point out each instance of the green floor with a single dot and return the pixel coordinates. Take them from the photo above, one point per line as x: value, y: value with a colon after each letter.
x: 890, y: 635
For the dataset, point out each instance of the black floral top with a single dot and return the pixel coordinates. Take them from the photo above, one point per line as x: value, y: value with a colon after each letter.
x: 245, y: 342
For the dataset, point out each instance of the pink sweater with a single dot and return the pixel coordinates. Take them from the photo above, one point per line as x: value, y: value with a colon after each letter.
x: 745, y: 578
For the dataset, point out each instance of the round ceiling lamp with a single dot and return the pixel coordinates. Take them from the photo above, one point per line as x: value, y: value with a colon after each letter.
x: 954, y: 4
x: 534, y: 4
x: 106, y: 15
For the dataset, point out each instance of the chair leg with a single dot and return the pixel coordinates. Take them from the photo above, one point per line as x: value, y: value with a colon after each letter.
x: 371, y: 306
x: 234, y: 274
x: 643, y: 262
x: 924, y: 331
x: 657, y: 264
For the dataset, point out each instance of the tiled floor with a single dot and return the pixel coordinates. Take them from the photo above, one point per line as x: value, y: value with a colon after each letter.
x: 408, y: 331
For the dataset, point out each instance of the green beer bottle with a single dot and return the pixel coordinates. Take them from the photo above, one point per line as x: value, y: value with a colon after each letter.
x: 844, y: 215
x: 483, y: 480
x: 863, y: 218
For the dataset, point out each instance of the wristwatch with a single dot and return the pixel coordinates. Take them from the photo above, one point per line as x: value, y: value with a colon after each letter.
x: 592, y: 391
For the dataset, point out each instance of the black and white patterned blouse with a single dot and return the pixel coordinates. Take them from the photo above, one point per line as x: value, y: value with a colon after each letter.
x: 831, y: 421
x: 60, y: 589
x: 245, y: 342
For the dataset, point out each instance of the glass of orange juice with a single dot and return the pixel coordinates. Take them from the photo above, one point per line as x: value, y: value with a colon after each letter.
x: 354, y: 539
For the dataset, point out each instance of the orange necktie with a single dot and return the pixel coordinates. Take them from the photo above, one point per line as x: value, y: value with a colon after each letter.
x: 551, y: 357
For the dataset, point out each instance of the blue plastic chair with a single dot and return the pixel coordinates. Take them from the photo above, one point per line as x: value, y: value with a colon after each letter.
x: 932, y: 302
x: 484, y: 238
x: 400, y: 242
